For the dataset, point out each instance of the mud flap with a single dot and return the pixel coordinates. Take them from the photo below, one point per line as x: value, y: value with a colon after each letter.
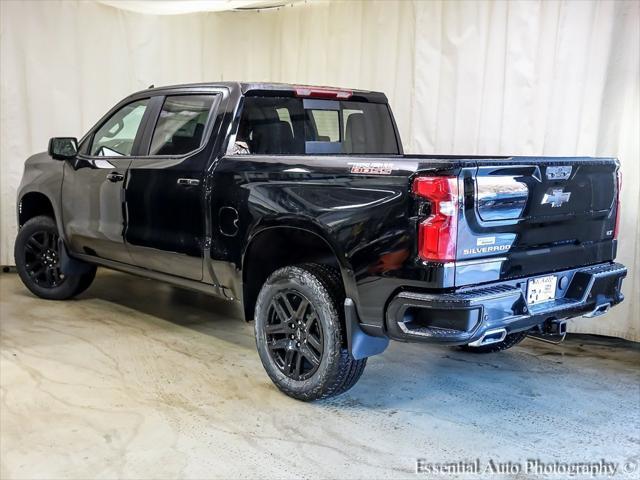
x: 361, y: 345
x: 68, y: 265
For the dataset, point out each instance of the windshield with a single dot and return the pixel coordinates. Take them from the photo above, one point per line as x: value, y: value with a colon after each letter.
x: 284, y: 125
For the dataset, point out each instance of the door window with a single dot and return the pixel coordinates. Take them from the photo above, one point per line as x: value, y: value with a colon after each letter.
x: 181, y: 124
x: 116, y: 136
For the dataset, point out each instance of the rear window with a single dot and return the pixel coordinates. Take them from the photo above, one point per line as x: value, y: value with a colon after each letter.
x: 295, y: 126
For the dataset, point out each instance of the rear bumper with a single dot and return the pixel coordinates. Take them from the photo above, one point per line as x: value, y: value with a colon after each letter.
x: 466, y: 315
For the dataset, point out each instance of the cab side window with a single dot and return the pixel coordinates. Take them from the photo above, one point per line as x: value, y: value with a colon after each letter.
x: 181, y: 124
x: 116, y: 136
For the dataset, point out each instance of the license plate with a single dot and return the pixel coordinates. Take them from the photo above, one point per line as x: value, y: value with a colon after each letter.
x: 541, y: 289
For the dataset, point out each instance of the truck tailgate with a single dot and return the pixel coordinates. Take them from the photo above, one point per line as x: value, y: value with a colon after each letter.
x: 534, y: 215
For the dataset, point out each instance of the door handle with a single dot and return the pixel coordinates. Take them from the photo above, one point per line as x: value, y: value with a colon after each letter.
x: 115, y: 177
x: 188, y: 182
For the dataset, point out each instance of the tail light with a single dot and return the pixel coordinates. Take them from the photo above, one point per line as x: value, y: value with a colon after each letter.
x: 617, y: 227
x: 437, y: 234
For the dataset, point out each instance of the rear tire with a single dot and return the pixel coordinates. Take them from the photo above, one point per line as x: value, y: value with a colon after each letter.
x: 509, y: 341
x: 37, y: 258
x: 300, y: 333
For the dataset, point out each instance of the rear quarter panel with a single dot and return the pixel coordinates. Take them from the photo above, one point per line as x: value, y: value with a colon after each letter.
x: 365, y: 218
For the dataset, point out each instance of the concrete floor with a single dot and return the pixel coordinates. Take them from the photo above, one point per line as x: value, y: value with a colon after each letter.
x: 137, y: 379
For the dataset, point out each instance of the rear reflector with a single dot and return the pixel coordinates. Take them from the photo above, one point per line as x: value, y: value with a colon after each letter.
x: 318, y: 92
x: 617, y: 227
x: 437, y: 234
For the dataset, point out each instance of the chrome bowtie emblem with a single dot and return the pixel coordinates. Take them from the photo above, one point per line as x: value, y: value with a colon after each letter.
x: 555, y: 197
x: 559, y: 173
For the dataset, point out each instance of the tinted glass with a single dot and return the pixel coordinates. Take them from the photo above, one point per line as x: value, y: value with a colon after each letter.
x: 181, y: 124
x: 115, y: 137
x: 327, y: 125
x: 279, y: 125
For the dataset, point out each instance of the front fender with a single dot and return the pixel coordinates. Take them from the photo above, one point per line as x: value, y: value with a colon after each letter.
x: 43, y: 175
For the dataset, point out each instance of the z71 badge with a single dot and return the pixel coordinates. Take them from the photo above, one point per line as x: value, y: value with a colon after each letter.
x: 372, y: 168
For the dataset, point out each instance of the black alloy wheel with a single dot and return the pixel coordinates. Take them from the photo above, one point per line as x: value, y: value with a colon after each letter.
x: 301, y: 334
x: 42, y: 259
x: 294, y: 335
x: 38, y: 262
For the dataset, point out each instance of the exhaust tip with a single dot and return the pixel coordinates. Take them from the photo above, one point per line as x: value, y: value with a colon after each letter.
x: 599, y: 310
x: 490, y: 336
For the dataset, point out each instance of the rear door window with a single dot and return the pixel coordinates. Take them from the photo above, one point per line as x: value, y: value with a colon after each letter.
x: 181, y: 124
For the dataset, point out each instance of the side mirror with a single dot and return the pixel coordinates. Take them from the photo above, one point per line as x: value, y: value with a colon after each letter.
x: 63, y: 148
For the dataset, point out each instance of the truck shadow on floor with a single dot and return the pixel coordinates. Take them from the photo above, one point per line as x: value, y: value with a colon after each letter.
x: 416, y: 372
x: 189, y: 309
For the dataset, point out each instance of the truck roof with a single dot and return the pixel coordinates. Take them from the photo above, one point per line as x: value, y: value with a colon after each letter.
x: 257, y: 88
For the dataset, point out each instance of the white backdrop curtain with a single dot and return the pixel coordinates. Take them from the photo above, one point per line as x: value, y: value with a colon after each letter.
x: 463, y: 77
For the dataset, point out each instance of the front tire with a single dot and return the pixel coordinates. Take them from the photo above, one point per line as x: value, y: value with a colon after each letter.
x: 300, y: 333
x: 37, y: 258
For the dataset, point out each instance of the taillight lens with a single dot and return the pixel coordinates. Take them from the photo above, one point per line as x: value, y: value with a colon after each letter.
x: 437, y: 234
x: 617, y: 227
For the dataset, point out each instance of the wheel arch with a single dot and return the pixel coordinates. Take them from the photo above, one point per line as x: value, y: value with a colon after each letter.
x: 289, y: 243
x: 32, y: 204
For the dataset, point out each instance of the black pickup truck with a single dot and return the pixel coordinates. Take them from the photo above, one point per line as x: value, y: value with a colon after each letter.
x: 299, y: 203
